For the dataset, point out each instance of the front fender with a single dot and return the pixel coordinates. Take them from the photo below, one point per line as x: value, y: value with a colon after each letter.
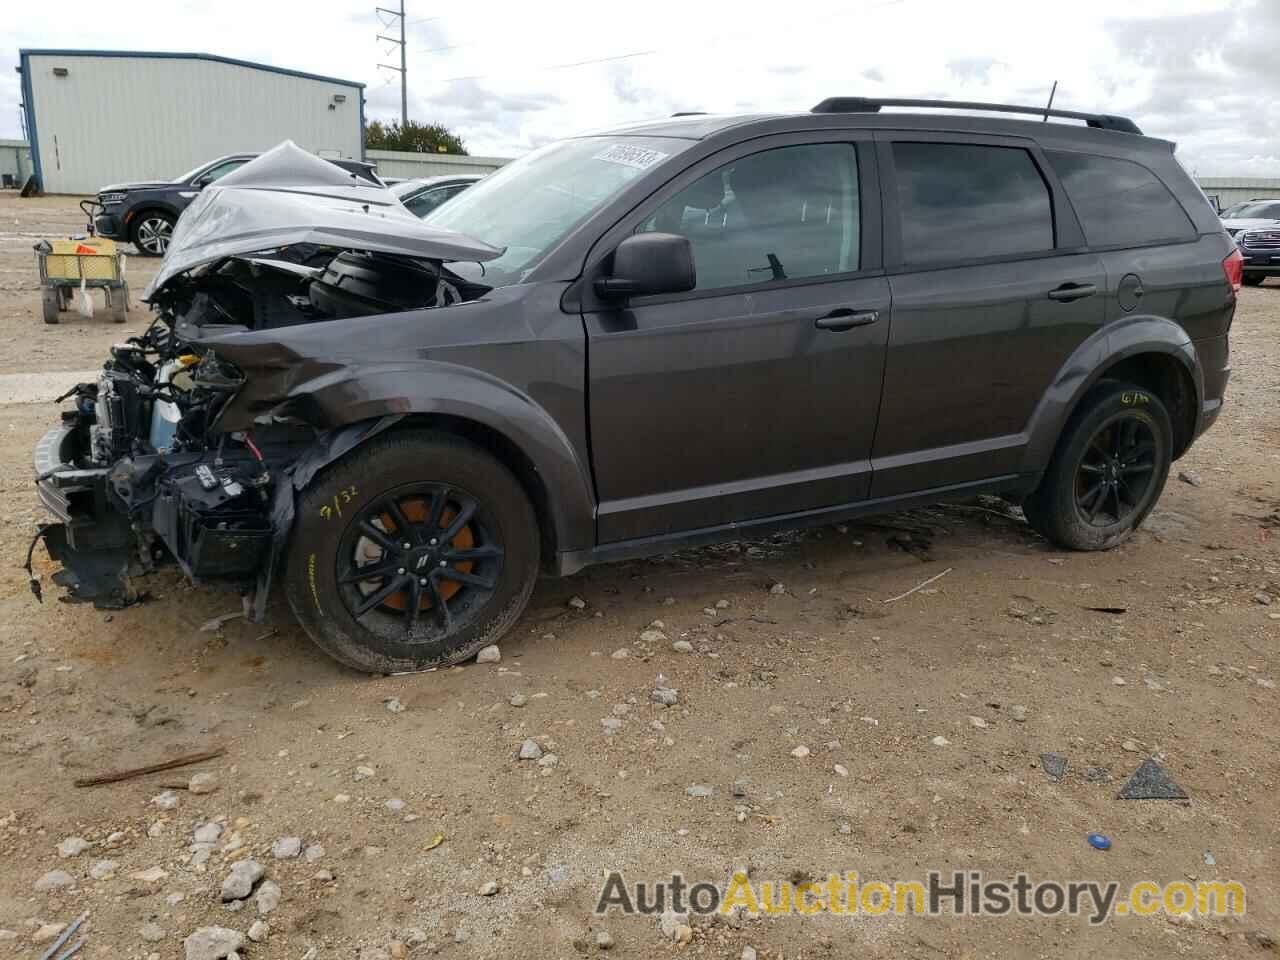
x: 1126, y: 337
x: 358, y: 393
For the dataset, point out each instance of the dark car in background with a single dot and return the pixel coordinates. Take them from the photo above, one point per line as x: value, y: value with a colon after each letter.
x: 1252, y: 214
x: 422, y: 195
x: 144, y: 213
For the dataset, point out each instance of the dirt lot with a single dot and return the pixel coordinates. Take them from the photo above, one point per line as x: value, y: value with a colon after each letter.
x: 1186, y: 673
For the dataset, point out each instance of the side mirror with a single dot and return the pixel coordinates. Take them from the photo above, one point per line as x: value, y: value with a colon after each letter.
x: 200, y: 182
x: 648, y: 263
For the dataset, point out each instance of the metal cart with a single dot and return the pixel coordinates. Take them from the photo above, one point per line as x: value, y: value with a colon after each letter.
x: 86, y: 263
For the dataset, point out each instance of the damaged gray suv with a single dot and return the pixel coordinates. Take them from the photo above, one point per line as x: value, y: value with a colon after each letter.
x: 662, y: 335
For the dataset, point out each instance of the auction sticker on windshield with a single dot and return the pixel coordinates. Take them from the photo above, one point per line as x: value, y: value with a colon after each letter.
x: 639, y: 157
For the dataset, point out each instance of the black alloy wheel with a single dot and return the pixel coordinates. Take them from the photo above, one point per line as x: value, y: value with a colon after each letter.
x: 1116, y: 472
x: 418, y: 562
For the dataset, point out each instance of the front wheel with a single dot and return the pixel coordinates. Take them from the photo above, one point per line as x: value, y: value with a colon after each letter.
x: 414, y: 551
x: 1108, y: 470
x: 152, y: 232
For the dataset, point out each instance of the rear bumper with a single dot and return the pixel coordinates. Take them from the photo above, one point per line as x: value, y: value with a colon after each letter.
x: 1214, y: 354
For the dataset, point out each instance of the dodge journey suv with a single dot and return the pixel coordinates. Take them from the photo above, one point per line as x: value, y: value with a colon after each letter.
x: 672, y: 333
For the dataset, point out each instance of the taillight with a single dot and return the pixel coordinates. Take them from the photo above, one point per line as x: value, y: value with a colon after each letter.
x: 1233, y: 268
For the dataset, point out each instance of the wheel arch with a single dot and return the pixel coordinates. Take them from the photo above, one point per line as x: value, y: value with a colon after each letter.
x: 488, y: 413
x: 1149, y: 351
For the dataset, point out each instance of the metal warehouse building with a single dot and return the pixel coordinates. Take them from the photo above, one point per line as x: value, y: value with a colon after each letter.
x: 96, y: 117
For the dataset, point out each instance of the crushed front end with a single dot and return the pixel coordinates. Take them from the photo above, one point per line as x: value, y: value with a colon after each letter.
x: 189, y: 447
x: 135, y: 479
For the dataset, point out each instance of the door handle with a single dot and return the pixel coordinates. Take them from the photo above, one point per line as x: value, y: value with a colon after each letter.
x: 846, y: 318
x: 1072, y: 291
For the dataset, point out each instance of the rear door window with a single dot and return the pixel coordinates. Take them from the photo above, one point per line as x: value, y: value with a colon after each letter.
x: 1120, y: 203
x: 961, y: 201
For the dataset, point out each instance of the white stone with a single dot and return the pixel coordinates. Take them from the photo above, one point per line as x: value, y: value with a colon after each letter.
x: 489, y: 654
x: 207, y: 833
x: 840, y: 770
x: 152, y: 932
x: 577, y: 603
x: 212, y: 943
x: 313, y: 852
x: 54, y: 880
x: 203, y: 783
x: 46, y: 932
x: 239, y: 882
x: 395, y: 804
x: 620, y: 654
x: 940, y: 741
x: 259, y: 930
x: 165, y: 801
x: 682, y: 646
x: 103, y: 870
x: 362, y: 773
x: 800, y: 752
x: 652, y: 636
x: 394, y: 705
x: 529, y: 750
x: 149, y: 875
x: 488, y: 888
x: 978, y: 722
x: 268, y: 897
x: 286, y: 848
x: 73, y: 847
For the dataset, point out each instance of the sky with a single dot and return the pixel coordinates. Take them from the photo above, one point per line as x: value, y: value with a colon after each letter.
x: 509, y: 76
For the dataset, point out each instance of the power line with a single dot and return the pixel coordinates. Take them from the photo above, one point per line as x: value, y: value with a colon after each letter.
x: 404, y: 67
x: 566, y: 66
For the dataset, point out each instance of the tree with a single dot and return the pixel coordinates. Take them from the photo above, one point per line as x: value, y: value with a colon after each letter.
x: 414, y: 137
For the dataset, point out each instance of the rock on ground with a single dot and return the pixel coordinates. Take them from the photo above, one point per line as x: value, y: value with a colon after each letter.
x: 152, y: 932
x: 203, y: 783
x: 73, y: 847
x: 239, y: 882
x: 489, y: 654
x: 529, y: 750
x: 286, y: 848
x: 268, y: 897
x: 55, y: 880
x: 212, y: 943
x: 259, y: 930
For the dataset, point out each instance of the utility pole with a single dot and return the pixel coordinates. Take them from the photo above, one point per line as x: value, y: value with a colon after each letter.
x: 403, y: 68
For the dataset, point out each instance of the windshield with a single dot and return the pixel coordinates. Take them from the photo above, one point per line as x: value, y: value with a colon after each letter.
x: 530, y: 205
x: 1255, y: 211
x: 406, y: 187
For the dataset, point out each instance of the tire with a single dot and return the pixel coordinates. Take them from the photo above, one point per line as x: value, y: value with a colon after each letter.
x: 401, y: 481
x: 151, y: 232
x: 1105, y: 442
x: 49, y: 305
x: 118, y: 304
x: 1254, y: 279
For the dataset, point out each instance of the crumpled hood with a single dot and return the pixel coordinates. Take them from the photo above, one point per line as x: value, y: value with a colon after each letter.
x: 288, y: 196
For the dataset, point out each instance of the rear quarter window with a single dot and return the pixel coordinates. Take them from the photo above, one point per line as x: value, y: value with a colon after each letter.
x: 1119, y: 202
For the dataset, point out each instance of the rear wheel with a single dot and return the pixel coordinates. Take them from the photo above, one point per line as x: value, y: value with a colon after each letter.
x: 413, y: 552
x: 151, y: 233
x: 1108, y: 470
x: 49, y: 301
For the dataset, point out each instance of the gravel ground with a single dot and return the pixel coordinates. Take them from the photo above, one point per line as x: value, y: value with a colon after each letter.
x: 1186, y: 674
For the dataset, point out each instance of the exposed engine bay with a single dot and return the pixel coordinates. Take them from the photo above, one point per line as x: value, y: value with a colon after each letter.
x: 142, y: 471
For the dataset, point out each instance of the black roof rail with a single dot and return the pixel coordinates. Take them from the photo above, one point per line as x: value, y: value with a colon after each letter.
x: 690, y: 113
x: 1100, y: 121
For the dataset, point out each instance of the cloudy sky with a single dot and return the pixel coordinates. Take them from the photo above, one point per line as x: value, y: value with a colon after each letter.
x: 508, y: 76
